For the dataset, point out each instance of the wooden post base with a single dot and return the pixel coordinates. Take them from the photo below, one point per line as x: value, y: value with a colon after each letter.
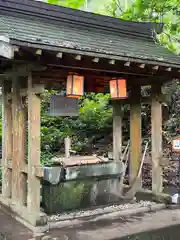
x: 149, y: 195
x: 35, y: 219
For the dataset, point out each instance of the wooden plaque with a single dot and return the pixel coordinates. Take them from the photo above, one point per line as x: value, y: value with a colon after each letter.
x: 63, y: 106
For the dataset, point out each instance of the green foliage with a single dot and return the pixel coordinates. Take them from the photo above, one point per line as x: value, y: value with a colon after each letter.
x: 167, y: 12
x: 161, y: 11
x: 0, y: 176
x: 0, y: 126
x: 68, y: 3
x: 95, y: 112
x: 0, y: 132
x: 95, y: 117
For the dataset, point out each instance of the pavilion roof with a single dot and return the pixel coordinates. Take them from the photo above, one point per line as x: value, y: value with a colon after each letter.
x: 39, y: 25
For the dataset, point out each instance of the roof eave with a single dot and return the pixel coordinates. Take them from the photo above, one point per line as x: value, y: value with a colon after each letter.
x: 107, y: 55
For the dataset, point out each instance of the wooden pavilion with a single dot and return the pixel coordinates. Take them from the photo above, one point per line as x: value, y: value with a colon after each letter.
x: 39, y: 45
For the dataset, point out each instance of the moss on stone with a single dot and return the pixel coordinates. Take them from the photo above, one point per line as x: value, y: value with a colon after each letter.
x: 65, y: 196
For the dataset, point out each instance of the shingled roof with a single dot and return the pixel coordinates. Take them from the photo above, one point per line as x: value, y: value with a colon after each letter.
x: 45, y: 26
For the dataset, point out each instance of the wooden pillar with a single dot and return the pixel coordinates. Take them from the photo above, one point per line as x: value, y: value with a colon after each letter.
x: 34, y: 106
x: 18, y: 155
x: 6, y: 140
x: 67, y: 145
x: 117, y: 130
x: 135, y: 134
x: 156, y: 139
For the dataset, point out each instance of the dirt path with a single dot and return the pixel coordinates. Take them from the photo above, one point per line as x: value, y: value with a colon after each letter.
x: 12, y: 229
x: 116, y: 228
x: 109, y: 229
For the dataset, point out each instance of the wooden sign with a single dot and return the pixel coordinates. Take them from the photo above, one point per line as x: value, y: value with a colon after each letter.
x: 176, y: 145
x: 63, y: 106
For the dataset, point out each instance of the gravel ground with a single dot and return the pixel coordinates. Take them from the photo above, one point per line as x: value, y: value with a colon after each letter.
x: 99, y: 211
x: 111, y: 229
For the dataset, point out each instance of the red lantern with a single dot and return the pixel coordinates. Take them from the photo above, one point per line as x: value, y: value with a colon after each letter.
x: 75, y: 86
x: 118, y: 89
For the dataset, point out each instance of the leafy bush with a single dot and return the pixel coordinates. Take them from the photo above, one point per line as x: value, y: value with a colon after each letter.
x: 95, y: 117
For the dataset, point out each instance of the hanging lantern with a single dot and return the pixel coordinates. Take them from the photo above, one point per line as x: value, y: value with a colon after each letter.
x: 75, y: 86
x: 118, y: 88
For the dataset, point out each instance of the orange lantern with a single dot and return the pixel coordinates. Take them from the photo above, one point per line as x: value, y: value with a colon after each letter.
x: 118, y: 89
x: 75, y: 86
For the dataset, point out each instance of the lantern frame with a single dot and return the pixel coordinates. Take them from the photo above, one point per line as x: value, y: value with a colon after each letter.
x: 70, y: 85
x: 118, y: 89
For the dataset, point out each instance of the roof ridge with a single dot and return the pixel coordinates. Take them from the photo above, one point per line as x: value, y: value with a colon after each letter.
x: 57, y: 13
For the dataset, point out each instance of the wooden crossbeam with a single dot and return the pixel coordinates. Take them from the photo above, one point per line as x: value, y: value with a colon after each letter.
x: 38, y: 170
x: 37, y: 89
x: 145, y: 100
x: 21, y: 70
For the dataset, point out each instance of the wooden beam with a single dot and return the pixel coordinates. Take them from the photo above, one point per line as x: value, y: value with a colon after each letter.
x: 59, y: 55
x: 127, y: 64
x: 117, y: 130
x: 78, y: 57
x: 38, y: 170
x: 155, y: 68
x: 16, y: 48
x: 99, y: 55
x: 112, y: 62
x: 168, y: 69
x: 21, y: 70
x: 6, y: 140
x: 39, y: 52
x: 6, y: 49
x: 142, y: 65
x: 163, y: 161
x: 156, y: 139
x: 96, y: 60
x: 162, y: 98
x: 37, y: 89
x: 18, y: 156
x: 135, y: 134
x: 34, y: 109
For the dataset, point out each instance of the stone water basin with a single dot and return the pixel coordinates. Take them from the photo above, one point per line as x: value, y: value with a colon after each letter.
x: 80, y: 185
